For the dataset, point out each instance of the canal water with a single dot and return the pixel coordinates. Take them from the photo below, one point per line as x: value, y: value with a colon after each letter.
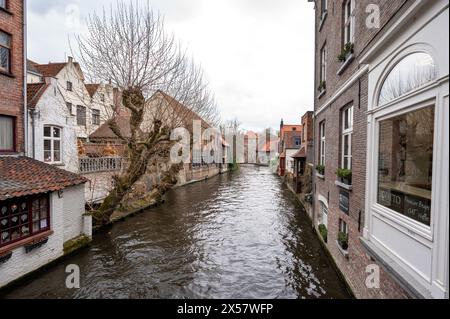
x: 240, y: 235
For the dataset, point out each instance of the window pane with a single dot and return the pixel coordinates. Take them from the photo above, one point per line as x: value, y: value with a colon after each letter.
x: 4, y: 58
x: 5, y: 39
x: 406, y: 164
x: 6, y: 133
x: 56, y: 132
x: 410, y: 73
x: 47, y: 131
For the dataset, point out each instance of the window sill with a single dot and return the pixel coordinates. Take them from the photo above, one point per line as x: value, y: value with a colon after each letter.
x: 320, y: 175
x: 25, y: 241
x: 322, y: 20
x: 7, y: 74
x: 345, y: 64
x: 411, y: 285
x: 344, y: 186
x: 342, y: 251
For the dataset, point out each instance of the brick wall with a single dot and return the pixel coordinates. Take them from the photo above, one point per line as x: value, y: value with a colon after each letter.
x: 353, y: 267
x: 11, y: 85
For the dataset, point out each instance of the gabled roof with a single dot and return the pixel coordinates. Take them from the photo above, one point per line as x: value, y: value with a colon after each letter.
x: 92, y: 89
x: 104, y: 132
x: 23, y: 176
x: 34, y: 93
x: 53, y: 69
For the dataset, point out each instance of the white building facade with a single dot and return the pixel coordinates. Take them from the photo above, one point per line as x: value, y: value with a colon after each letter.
x: 407, y: 206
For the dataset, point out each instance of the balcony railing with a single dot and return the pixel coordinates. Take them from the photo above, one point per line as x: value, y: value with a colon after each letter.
x: 100, y: 164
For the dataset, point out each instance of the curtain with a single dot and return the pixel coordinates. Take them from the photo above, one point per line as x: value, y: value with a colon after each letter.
x: 6, y: 133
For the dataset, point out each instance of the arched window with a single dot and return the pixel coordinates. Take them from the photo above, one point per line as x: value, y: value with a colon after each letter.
x: 412, y: 72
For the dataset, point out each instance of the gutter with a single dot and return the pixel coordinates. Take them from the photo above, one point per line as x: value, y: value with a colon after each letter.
x: 25, y: 54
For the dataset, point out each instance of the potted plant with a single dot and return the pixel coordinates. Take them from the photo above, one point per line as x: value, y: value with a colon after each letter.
x: 322, y: 86
x: 343, y: 240
x: 320, y: 169
x: 345, y: 175
x: 346, y: 52
x: 323, y: 232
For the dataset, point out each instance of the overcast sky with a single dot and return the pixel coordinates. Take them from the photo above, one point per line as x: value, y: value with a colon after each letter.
x: 258, y: 55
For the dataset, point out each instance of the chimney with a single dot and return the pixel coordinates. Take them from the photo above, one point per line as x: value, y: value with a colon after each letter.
x: 70, y: 59
x: 281, y: 124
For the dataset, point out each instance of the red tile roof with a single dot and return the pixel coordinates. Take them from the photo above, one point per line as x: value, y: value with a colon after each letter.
x: 104, y: 132
x: 300, y: 154
x: 34, y: 93
x: 51, y: 69
x: 92, y: 88
x: 23, y: 176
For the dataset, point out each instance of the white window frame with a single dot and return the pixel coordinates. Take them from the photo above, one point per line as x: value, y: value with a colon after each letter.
x: 324, y: 215
x: 349, y: 21
x: 347, y: 114
x: 3, y: 4
x: 52, y: 140
x: 322, y: 143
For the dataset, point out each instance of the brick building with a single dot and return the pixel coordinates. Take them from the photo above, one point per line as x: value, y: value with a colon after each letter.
x: 12, y: 72
x: 358, y: 107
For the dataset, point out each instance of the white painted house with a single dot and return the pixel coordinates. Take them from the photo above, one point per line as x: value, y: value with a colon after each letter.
x: 51, y: 127
x: 88, y: 103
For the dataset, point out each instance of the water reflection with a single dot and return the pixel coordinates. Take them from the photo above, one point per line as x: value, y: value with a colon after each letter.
x: 239, y: 236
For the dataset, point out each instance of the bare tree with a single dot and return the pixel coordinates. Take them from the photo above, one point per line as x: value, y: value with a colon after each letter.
x: 128, y: 46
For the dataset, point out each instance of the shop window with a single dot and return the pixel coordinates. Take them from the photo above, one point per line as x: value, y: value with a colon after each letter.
x: 406, y: 164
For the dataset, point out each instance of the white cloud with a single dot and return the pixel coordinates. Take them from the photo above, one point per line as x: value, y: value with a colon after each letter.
x: 258, y: 55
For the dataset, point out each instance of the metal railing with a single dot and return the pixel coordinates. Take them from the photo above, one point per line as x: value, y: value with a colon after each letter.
x: 100, y: 164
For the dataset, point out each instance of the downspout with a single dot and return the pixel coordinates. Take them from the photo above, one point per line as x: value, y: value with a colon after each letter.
x: 25, y: 108
x: 314, y: 175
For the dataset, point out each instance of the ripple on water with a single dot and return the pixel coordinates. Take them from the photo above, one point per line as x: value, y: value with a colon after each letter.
x: 230, y: 237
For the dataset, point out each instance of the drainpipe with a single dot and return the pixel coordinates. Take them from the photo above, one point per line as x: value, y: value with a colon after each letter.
x: 25, y: 108
x: 33, y: 134
x: 314, y: 175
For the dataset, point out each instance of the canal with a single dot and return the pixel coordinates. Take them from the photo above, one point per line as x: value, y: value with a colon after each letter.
x: 240, y: 235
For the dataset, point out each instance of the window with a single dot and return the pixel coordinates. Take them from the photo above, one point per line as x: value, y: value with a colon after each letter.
x: 349, y: 21
x: 347, y: 132
x: 23, y: 217
x: 343, y: 235
x: 323, y: 64
x: 405, y: 164
x: 5, y: 52
x: 81, y: 115
x: 52, y: 144
x: 412, y: 72
x: 96, y: 117
x: 6, y: 134
x: 297, y: 141
x: 69, y: 107
x: 3, y: 4
x: 102, y: 97
x: 324, y: 215
x: 322, y: 143
x: 69, y: 86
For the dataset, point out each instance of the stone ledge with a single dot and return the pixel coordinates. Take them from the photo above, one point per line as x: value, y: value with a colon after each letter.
x: 343, y: 185
x: 347, y: 62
